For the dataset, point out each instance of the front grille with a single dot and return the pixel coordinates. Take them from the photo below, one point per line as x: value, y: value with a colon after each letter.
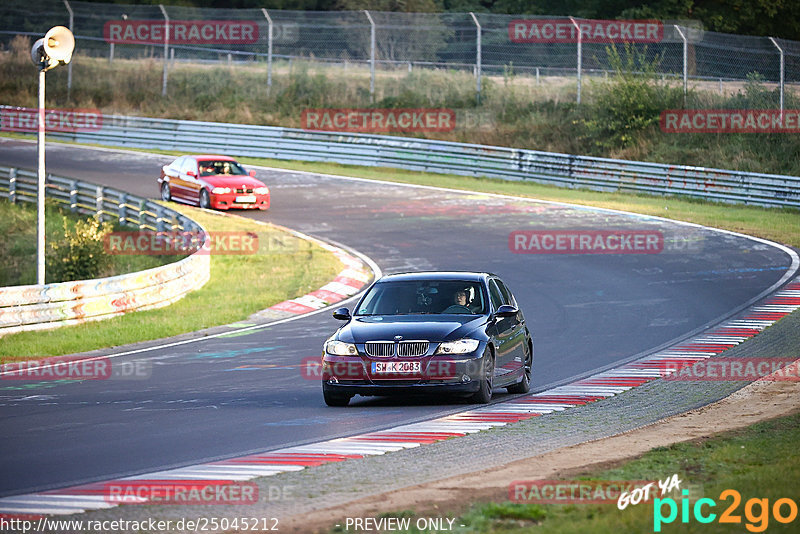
x: 412, y: 348
x: 244, y: 190
x: 403, y: 349
x: 380, y: 349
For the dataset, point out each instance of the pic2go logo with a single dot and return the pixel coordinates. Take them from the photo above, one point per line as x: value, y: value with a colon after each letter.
x: 756, y: 511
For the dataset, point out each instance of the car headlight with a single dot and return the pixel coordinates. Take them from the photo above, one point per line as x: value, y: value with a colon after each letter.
x: 221, y: 190
x: 461, y: 346
x: 261, y: 190
x: 340, y: 348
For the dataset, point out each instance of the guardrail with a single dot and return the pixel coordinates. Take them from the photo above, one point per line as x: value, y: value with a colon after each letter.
x: 34, y: 307
x: 601, y: 174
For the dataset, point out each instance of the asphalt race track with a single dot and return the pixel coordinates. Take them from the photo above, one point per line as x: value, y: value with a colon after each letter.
x: 225, y: 397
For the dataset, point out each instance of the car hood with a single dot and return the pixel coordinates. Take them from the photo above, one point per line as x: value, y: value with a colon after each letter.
x: 233, y: 181
x: 435, y: 328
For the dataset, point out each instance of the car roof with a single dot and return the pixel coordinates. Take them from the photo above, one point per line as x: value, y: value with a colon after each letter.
x: 212, y: 156
x: 437, y: 275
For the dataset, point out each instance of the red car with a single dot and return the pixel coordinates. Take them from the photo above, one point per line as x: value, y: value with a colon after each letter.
x: 211, y: 181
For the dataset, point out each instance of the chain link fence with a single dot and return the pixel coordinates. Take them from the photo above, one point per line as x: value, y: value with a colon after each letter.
x: 373, y: 43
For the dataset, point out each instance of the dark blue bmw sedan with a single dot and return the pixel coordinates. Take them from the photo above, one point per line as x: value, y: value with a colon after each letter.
x: 458, y: 333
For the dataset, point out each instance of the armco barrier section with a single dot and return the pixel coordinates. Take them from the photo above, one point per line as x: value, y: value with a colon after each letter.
x: 35, y: 307
x: 601, y: 174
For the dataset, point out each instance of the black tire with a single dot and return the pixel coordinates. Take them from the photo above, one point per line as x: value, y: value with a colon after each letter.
x: 524, y: 385
x: 166, y: 194
x: 205, y: 200
x: 484, y: 394
x: 334, y: 399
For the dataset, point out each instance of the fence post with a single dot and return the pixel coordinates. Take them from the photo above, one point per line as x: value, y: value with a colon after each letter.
x: 580, y: 56
x: 98, y: 203
x: 269, y: 49
x: 159, y: 218
x: 477, y: 59
x: 12, y: 185
x: 142, y: 215
x: 685, y: 63
x: 69, y: 65
x: 782, y: 67
x: 166, y: 50
x: 371, y: 56
x: 122, y: 211
x: 73, y: 195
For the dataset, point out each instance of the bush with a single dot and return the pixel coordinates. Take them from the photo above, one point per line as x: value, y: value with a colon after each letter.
x: 79, y: 254
x: 631, y: 103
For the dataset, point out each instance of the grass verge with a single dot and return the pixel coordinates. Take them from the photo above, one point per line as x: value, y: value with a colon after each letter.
x: 283, y: 267
x: 18, y: 244
x: 760, y: 462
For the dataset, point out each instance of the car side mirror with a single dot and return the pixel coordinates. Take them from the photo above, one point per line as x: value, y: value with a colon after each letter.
x: 506, y: 310
x: 252, y: 174
x: 342, y: 314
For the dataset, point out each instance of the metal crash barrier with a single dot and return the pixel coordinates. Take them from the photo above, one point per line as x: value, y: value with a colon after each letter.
x: 35, y: 307
x: 600, y: 174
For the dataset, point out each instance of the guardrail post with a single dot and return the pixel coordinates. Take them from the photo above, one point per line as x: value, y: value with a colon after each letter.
x: 782, y: 68
x: 580, y: 56
x: 142, y: 216
x: 477, y: 58
x: 269, y: 49
x: 371, y: 56
x: 122, y: 208
x: 685, y: 62
x: 73, y: 195
x: 98, y: 203
x: 166, y: 50
x: 12, y: 185
x: 159, y: 219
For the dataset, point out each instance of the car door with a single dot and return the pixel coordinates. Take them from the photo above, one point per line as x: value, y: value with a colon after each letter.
x: 512, y: 330
x: 172, y: 173
x: 190, y: 180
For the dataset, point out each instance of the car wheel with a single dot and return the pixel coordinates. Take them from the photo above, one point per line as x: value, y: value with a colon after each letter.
x: 524, y: 385
x: 205, y: 200
x: 335, y: 399
x: 166, y: 195
x: 484, y: 394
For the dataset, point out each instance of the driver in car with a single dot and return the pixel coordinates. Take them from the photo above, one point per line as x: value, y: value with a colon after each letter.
x: 460, y: 298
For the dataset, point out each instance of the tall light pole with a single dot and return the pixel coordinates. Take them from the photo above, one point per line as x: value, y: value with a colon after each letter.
x: 54, y: 49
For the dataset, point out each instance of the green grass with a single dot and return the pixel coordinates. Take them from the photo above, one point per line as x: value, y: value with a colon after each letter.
x: 760, y: 462
x: 284, y: 267
x: 18, y: 244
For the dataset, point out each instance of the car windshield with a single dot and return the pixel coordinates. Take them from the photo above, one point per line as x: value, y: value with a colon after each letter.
x: 223, y: 167
x: 412, y: 297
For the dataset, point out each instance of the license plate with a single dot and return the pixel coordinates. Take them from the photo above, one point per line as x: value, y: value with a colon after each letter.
x: 395, y: 367
x: 247, y: 199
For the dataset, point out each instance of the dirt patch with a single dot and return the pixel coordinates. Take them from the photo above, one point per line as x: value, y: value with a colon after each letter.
x: 756, y: 402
